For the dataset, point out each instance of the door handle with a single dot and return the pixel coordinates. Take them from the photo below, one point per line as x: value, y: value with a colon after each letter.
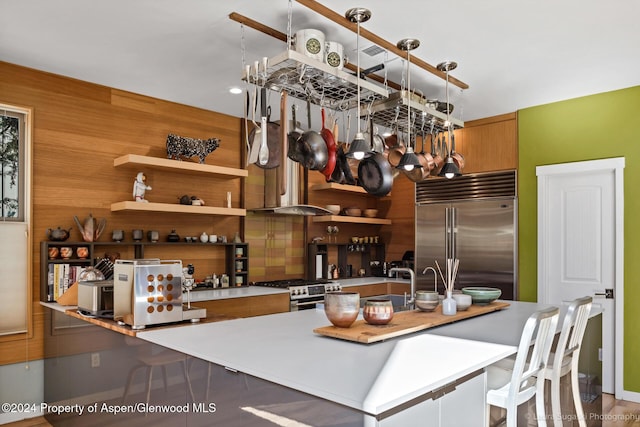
x: 607, y: 294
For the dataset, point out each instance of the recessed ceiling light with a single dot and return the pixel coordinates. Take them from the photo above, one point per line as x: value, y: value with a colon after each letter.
x: 235, y: 90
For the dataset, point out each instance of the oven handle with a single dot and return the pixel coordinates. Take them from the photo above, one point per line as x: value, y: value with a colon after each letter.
x: 295, y: 304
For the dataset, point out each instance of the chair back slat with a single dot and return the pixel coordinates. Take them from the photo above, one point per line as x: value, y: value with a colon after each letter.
x: 573, y: 328
x: 540, y: 329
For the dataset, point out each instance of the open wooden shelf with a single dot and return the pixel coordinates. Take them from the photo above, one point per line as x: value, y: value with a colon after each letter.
x: 340, y: 187
x: 175, y: 207
x: 178, y: 165
x: 351, y: 219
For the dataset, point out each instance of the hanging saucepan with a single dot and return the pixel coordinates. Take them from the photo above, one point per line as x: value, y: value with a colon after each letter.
x: 458, y: 158
x: 436, y: 153
x: 425, y: 159
x: 327, y: 135
x: 375, y: 175
x: 396, y: 150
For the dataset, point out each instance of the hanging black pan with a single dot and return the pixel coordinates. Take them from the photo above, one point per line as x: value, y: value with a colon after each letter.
x: 375, y: 175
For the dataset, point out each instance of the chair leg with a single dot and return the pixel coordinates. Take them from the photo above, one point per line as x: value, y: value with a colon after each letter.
x: 164, y: 378
x: 150, y: 370
x: 556, y: 408
x: 577, y: 402
x: 129, y: 381
x: 540, y: 412
x: 206, y: 395
x: 512, y: 417
x: 187, y: 380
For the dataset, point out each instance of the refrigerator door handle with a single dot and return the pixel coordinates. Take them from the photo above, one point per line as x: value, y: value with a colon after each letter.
x: 447, y: 233
x: 454, y: 233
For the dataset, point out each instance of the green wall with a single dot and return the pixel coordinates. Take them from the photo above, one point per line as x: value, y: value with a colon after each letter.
x: 593, y: 127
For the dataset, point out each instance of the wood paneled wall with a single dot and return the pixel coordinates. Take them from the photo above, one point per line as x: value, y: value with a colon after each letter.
x: 79, y: 128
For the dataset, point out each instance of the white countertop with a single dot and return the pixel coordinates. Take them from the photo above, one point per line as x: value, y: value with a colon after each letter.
x: 372, y: 378
x: 231, y: 292
x: 208, y: 294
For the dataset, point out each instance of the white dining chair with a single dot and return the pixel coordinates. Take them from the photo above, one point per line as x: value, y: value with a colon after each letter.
x: 564, y: 359
x: 513, y: 382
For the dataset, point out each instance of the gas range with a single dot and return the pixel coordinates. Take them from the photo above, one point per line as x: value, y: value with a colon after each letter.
x: 303, y: 294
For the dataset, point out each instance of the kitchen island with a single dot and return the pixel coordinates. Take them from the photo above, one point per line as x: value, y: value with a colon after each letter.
x: 275, y: 367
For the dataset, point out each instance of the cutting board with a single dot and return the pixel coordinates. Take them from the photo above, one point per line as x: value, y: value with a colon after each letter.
x: 405, y: 322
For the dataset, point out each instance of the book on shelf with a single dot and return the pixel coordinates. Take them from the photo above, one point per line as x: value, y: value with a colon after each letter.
x: 60, y: 277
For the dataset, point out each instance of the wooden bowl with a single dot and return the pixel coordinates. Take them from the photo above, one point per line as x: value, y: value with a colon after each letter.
x: 370, y: 213
x: 353, y: 212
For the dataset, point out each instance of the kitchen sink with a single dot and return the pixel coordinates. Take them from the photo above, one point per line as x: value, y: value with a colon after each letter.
x: 397, y: 301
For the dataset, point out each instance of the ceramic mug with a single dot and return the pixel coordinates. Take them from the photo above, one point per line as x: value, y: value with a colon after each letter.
x: 53, y: 252
x: 137, y: 235
x: 66, y: 252
x: 310, y: 42
x: 334, y: 55
x: 82, y: 252
x: 117, y: 235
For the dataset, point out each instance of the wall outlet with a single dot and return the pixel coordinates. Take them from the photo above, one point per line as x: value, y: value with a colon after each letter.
x: 95, y: 360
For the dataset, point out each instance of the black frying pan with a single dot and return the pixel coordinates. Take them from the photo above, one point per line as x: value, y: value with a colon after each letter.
x: 375, y: 175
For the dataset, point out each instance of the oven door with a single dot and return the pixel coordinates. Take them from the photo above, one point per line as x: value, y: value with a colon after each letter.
x: 306, y: 303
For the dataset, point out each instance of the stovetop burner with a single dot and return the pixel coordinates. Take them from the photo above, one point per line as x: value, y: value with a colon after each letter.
x: 286, y: 283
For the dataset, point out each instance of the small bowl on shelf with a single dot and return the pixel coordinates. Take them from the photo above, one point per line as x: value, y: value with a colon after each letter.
x: 481, y: 295
x: 353, y: 212
x: 370, y: 213
x: 334, y: 209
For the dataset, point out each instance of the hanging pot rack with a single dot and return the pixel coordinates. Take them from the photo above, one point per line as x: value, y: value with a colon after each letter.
x: 306, y: 78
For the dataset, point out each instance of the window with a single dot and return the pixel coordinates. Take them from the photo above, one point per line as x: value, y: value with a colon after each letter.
x: 15, y: 246
x: 12, y: 158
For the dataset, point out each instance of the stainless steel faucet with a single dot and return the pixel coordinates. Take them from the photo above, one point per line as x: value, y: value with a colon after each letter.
x: 435, y: 277
x: 412, y: 299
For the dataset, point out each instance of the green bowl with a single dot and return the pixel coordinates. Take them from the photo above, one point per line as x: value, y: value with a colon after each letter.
x: 482, y: 295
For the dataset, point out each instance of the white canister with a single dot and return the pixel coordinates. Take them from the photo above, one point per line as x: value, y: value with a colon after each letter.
x: 310, y: 42
x: 334, y: 55
x: 213, y: 238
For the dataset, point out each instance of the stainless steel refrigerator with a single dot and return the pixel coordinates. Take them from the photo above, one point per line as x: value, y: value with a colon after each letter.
x: 472, y: 218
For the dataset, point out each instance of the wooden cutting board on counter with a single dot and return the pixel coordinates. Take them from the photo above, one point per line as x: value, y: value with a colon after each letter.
x: 404, y: 322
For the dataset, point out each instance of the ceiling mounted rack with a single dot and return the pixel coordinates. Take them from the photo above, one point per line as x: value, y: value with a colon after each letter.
x: 392, y: 112
x: 308, y: 79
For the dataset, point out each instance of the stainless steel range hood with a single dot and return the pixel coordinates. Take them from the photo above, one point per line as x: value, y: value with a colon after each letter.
x: 288, y: 202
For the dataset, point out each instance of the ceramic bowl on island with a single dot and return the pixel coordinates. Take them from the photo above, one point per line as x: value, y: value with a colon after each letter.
x: 377, y: 311
x: 342, y: 308
x: 481, y: 295
x: 427, y: 300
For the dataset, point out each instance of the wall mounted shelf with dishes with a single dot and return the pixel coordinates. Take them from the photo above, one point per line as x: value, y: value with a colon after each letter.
x: 236, y: 259
x: 181, y: 167
x: 131, y: 205
x: 351, y: 219
x: 339, y: 187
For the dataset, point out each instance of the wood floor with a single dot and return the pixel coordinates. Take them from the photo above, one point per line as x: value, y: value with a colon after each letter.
x: 616, y: 413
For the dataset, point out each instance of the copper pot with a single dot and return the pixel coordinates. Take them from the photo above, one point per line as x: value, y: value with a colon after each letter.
x: 396, y: 149
x: 438, y: 160
x: 458, y: 158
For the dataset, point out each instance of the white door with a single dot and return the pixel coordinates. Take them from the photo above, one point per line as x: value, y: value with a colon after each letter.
x: 578, y: 223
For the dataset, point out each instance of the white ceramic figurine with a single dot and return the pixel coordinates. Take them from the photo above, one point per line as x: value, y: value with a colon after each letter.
x: 139, y: 188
